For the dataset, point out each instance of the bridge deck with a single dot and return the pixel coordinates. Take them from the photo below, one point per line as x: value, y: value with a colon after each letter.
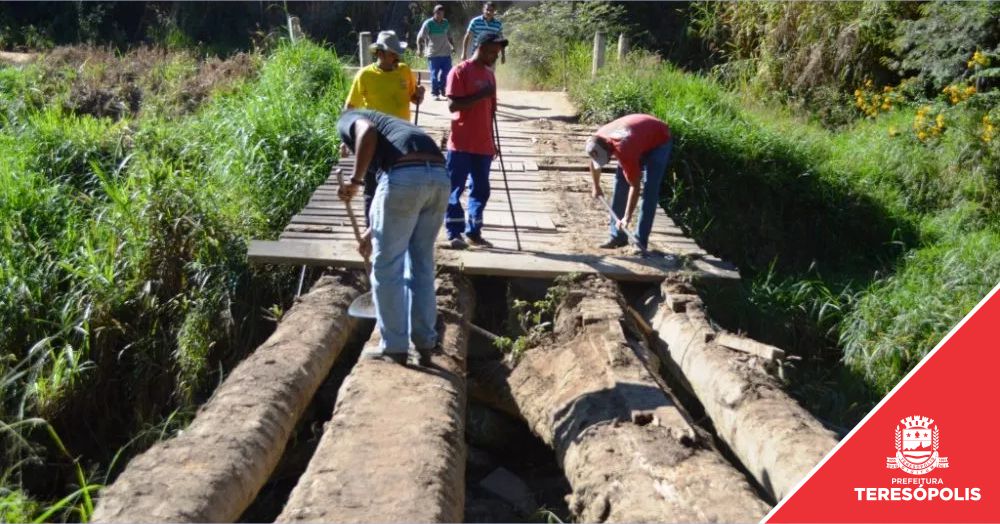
x: 558, y: 223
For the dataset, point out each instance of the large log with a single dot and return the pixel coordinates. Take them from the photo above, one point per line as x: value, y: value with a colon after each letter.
x: 394, y: 450
x: 213, y: 470
x: 629, y: 452
x: 777, y: 440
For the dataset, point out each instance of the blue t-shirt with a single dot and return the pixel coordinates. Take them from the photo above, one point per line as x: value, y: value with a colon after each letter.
x: 479, y: 26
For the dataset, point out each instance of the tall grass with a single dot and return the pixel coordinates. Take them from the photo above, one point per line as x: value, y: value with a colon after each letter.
x: 863, y: 243
x: 124, y: 282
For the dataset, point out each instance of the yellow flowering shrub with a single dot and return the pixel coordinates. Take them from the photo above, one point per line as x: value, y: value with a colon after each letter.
x: 978, y: 59
x: 872, y: 102
x: 958, y: 94
x: 926, y: 126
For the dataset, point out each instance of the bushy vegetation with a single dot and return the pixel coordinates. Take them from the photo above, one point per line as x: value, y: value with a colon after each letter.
x: 551, y: 39
x: 129, y: 187
x: 877, y: 237
x: 812, y: 55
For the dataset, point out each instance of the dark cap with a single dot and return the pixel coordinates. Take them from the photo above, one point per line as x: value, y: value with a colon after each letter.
x: 493, y: 38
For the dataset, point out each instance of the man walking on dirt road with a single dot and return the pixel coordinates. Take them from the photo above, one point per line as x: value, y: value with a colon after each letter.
x: 406, y: 216
x: 439, y: 48
x: 642, y: 145
x: 471, y: 90
x: 479, y: 27
x: 387, y: 86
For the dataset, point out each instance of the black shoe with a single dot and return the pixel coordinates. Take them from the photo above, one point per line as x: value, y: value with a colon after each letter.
x: 398, y: 358
x: 457, y: 243
x: 478, y: 241
x: 425, y: 355
x: 614, y: 243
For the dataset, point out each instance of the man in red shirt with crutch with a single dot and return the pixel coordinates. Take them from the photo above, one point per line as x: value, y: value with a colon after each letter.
x: 472, y: 100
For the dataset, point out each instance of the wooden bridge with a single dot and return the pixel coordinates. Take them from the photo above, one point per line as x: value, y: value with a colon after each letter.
x: 557, y: 221
x: 394, y: 447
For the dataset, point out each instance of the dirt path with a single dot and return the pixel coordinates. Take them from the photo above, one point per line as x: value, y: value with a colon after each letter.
x: 394, y: 450
x: 9, y: 58
x: 214, y: 468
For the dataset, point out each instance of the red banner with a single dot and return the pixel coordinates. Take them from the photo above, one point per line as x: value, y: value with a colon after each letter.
x: 924, y: 454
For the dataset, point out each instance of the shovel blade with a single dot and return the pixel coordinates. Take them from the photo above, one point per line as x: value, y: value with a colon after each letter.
x: 362, y: 307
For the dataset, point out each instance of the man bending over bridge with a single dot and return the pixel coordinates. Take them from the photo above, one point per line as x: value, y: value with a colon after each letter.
x: 406, y: 216
x: 642, y: 145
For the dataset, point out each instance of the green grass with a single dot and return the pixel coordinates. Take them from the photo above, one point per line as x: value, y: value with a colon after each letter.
x: 124, y: 283
x: 857, y: 246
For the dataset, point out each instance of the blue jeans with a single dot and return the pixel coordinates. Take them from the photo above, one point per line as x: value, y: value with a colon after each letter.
x: 406, y: 217
x: 439, y: 66
x: 654, y: 166
x: 460, y: 166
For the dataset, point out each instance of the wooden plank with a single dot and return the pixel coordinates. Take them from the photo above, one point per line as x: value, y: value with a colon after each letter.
x: 750, y: 346
x: 475, y: 262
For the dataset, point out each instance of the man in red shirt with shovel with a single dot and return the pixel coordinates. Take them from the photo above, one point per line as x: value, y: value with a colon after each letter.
x: 642, y: 145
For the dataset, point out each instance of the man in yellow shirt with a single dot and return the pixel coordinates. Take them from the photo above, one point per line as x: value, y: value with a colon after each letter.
x: 387, y: 86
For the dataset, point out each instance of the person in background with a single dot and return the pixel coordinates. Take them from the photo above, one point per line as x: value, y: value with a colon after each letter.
x: 406, y: 216
x: 480, y: 26
x: 439, y: 47
x: 472, y: 89
x: 642, y: 145
x: 388, y: 86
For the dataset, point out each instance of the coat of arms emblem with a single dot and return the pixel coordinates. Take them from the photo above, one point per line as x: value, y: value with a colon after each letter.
x: 917, y: 447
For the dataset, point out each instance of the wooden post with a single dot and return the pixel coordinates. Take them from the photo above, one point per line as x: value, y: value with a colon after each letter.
x: 364, y: 41
x: 622, y: 47
x: 599, y: 38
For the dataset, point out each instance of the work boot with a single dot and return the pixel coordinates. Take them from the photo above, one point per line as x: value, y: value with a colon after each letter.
x: 614, y: 243
x: 479, y: 241
x: 398, y: 358
x: 456, y: 242
x: 425, y: 355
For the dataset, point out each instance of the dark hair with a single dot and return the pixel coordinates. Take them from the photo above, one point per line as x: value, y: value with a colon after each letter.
x: 490, y: 4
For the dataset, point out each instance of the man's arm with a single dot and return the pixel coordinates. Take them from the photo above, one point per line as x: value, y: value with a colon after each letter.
x: 465, y: 44
x: 355, y: 98
x: 503, y: 50
x: 421, y: 35
x: 595, y: 174
x: 458, y: 103
x: 633, y: 198
x: 416, y: 90
x: 365, y: 141
x: 631, y: 170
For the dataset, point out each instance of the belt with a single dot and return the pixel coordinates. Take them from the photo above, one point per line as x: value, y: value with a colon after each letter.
x: 416, y: 163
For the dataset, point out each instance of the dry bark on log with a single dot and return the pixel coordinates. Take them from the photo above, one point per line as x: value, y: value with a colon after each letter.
x: 629, y: 452
x: 394, y: 450
x: 212, y: 471
x: 777, y: 440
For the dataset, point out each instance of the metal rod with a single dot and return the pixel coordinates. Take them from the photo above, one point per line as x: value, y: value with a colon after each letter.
x: 628, y: 233
x: 302, y: 278
x: 416, y: 116
x: 503, y: 169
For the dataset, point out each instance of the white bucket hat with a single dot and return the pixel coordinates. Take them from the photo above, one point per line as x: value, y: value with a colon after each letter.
x: 388, y: 41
